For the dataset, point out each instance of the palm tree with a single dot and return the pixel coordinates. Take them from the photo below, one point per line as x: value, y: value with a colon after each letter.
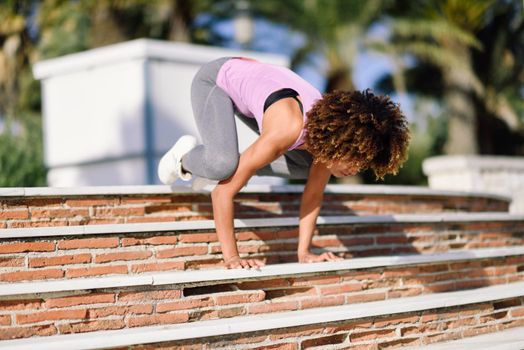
x: 465, y: 40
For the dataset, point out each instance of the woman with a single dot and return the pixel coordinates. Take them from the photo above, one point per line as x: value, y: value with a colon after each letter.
x: 303, y: 135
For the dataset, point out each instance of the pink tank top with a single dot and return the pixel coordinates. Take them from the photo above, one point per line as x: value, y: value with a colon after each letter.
x: 248, y: 83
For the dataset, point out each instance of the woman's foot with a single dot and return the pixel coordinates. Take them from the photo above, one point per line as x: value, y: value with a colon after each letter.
x: 170, y: 166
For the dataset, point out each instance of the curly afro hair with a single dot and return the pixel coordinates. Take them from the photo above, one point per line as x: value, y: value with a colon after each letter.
x: 358, y: 127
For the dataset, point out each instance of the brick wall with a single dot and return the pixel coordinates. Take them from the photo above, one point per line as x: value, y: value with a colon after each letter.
x: 59, y: 257
x: 127, y: 307
x: 19, y: 212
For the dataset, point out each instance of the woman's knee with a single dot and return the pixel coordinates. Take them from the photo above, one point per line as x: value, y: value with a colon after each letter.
x: 223, y: 168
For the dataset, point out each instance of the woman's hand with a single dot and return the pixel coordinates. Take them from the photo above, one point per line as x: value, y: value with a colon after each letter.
x: 237, y: 262
x: 310, y: 257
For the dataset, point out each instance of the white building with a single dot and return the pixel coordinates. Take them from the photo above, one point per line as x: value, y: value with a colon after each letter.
x: 110, y: 113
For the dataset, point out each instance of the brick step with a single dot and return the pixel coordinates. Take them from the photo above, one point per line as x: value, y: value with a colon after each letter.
x: 91, y: 304
x: 30, y: 254
x: 38, y: 207
x: 417, y: 320
x: 510, y: 339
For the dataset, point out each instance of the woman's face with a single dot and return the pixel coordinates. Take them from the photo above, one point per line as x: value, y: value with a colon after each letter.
x: 343, y: 168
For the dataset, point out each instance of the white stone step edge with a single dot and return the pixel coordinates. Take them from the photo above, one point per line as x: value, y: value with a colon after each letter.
x: 199, y: 277
x: 254, y: 223
x: 265, y: 322
x: 162, y: 189
x: 509, y: 339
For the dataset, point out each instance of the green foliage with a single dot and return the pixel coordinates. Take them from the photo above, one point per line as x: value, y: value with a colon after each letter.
x: 21, y: 158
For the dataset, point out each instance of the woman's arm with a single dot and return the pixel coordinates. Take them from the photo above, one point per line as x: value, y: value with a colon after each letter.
x: 309, y: 210
x: 281, y: 127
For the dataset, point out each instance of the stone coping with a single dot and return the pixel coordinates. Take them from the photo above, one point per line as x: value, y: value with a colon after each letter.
x: 196, y: 277
x: 475, y: 163
x: 162, y: 189
x: 244, y: 324
x: 509, y: 339
x: 189, y: 225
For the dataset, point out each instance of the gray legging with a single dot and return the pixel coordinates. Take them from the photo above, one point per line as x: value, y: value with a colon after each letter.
x: 214, y: 113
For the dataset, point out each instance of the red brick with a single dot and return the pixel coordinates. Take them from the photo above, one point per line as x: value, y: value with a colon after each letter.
x: 19, y: 214
x: 362, y: 298
x: 220, y: 313
x: 29, y: 304
x: 91, y: 326
x: 23, y: 247
x: 273, y: 307
x: 60, y: 260
x: 139, y: 321
x: 177, y: 208
x: 5, y: 320
x: 322, y: 302
x: 361, y: 276
x: 314, y: 280
x: 185, y: 304
x: 395, y: 320
x: 182, y: 251
x: 119, y: 256
x: 58, y: 213
x: 110, y: 242
x: 517, y: 312
x: 100, y: 312
x: 31, y: 275
x: 112, y: 212
x: 95, y: 298
x: 240, y: 298
x: 198, y: 237
x: 96, y: 271
x: 256, y: 235
x: 12, y: 262
x: 340, y: 288
x: 27, y: 332
x: 50, y: 316
x: 268, y: 284
x: 150, y: 295
x: 373, y: 334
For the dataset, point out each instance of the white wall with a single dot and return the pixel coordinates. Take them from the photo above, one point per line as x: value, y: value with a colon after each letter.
x: 110, y: 113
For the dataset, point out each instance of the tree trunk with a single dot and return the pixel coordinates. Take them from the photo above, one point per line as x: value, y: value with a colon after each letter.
x: 458, y: 98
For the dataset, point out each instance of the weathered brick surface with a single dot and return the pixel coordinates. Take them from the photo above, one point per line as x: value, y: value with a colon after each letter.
x: 131, y: 253
x: 97, y: 209
x: 407, y: 329
x: 149, y: 305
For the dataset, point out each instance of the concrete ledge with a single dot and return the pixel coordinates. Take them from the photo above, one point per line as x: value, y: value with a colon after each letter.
x: 225, y: 275
x: 510, y: 339
x: 252, y: 223
x: 243, y: 324
x: 490, y: 174
x: 160, y: 189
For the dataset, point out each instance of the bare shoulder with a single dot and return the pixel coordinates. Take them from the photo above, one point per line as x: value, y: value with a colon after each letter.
x: 283, y: 120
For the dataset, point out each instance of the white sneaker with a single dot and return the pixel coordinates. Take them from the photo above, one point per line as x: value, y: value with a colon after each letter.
x: 203, y: 184
x: 170, y: 166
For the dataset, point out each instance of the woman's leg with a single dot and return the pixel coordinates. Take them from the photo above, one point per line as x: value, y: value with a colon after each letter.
x: 217, y: 157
